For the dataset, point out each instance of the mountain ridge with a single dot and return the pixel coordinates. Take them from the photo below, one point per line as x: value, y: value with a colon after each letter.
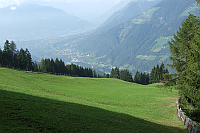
x: 131, y: 10
x: 131, y: 43
x: 38, y: 21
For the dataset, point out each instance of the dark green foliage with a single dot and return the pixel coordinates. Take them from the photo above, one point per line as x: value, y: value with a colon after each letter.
x: 7, y: 55
x: 185, y: 57
x: 114, y: 73
x: 156, y: 75
x: 137, y: 77
x: 126, y: 75
x: 141, y: 78
x: 0, y: 56
x: 94, y: 74
x: 58, y: 67
x: 35, y: 66
x: 123, y: 75
x: 11, y: 57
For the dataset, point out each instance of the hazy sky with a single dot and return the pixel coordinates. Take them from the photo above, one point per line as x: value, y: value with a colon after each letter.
x: 85, y: 9
x: 4, y: 3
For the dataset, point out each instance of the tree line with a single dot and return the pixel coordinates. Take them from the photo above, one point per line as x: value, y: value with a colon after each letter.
x: 21, y: 59
x: 156, y: 75
x: 58, y: 66
x: 12, y: 57
x: 123, y: 74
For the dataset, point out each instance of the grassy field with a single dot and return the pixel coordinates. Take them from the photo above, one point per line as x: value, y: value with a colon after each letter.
x: 32, y: 102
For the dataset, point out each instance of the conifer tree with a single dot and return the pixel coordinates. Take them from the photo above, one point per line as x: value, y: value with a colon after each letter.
x: 22, y: 60
x: 42, y: 65
x: 137, y: 77
x: 13, y: 52
x: 7, y: 56
x: 185, y: 57
x: 29, y: 63
x: 35, y: 67
x: 94, y: 74
x: 0, y: 57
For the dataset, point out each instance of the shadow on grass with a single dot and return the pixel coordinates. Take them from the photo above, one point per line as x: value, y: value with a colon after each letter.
x: 25, y: 113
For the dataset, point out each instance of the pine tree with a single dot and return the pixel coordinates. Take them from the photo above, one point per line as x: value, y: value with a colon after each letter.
x: 137, y: 77
x: 1, y: 57
x: 29, y: 63
x: 94, y: 74
x: 185, y: 57
x: 22, y: 60
x: 152, y: 76
x: 7, y: 56
x: 35, y: 67
x: 42, y: 65
x: 161, y: 71
x: 13, y: 50
x: 116, y: 73
x: 112, y: 74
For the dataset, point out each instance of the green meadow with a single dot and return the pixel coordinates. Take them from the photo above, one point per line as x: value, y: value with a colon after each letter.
x: 32, y: 102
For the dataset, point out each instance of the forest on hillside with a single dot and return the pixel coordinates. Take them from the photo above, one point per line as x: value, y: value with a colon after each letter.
x: 21, y: 59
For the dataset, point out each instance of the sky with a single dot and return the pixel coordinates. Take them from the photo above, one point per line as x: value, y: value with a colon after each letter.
x: 88, y: 10
x: 4, y: 3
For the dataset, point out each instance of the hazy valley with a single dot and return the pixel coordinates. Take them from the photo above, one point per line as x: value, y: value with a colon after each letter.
x: 133, y: 38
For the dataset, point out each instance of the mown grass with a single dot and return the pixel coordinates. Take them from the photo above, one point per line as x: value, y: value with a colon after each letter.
x: 32, y: 102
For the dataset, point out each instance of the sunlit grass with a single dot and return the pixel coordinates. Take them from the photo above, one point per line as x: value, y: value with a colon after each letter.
x: 51, y: 103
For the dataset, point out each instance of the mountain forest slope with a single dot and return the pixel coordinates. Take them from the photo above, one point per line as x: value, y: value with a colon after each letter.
x: 32, y: 102
x: 137, y: 44
x: 131, y: 10
x: 141, y: 42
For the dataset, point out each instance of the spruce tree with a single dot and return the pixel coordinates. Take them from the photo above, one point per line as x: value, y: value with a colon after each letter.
x: 7, y: 56
x: 0, y: 57
x: 29, y: 63
x: 185, y: 57
x: 22, y: 60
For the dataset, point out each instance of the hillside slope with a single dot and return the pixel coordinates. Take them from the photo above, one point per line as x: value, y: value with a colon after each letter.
x: 129, y: 11
x: 141, y: 42
x: 32, y: 102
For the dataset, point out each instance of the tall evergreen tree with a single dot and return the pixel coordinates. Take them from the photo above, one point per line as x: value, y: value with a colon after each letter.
x: 1, y: 57
x: 42, y: 66
x: 7, y: 56
x: 22, y: 59
x: 94, y: 74
x: 13, y: 50
x: 112, y: 74
x: 161, y: 71
x: 185, y: 57
x: 137, y: 77
x: 29, y: 63
x: 35, y: 67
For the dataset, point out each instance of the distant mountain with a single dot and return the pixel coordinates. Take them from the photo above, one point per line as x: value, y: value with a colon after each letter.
x: 32, y: 21
x: 101, y: 19
x: 139, y: 43
x: 131, y: 10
